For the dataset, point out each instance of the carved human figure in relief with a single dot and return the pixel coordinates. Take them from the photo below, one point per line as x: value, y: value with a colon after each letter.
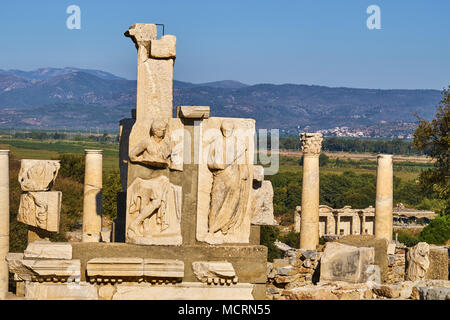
x: 154, y: 150
x: 32, y: 211
x: 155, y: 208
x: 418, y: 261
x: 226, y: 160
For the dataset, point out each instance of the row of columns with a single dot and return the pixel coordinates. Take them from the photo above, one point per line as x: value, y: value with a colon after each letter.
x: 309, y: 227
x: 92, y: 207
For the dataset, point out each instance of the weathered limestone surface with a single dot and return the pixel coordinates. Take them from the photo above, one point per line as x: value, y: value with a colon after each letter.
x: 163, y: 268
x: 380, y: 246
x: 4, y: 221
x: 154, y: 212
x: 157, y: 143
x: 45, y: 270
x: 215, y: 272
x: 399, y: 290
x: 60, y: 291
x: 155, y: 71
x: 249, y: 261
x: 418, y: 261
x: 115, y: 267
x: 384, y: 197
x: 125, y: 268
x: 48, y: 269
x: 225, y: 180
x: 335, y: 291
x: 38, y: 175
x: 41, y: 209
x: 438, y: 269
x: 165, y: 47
x: 341, y: 262
x: 106, y: 292
x: 434, y: 293
x: 431, y: 290
x: 309, y: 228
x: 92, y: 202
x: 184, y: 291
x: 48, y: 250
x: 15, y: 265
x: 193, y: 112
x: 262, y: 204
x: 258, y: 174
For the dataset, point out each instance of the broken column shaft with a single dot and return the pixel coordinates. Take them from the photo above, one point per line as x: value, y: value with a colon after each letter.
x: 92, y: 203
x: 384, y: 197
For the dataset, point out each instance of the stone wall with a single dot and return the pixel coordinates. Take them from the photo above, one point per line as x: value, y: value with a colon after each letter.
x: 396, y: 265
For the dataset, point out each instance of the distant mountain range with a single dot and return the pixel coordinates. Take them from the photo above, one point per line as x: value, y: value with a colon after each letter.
x: 81, y: 98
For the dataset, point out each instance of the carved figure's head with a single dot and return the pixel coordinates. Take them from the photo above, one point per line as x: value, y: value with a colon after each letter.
x: 158, y: 129
x: 227, y: 128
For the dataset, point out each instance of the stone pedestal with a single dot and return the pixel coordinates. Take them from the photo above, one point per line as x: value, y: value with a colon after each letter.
x: 384, y: 199
x: 92, y: 204
x: 309, y: 227
x: 4, y: 221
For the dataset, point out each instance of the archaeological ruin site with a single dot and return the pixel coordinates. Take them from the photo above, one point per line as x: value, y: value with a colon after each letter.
x: 189, y: 216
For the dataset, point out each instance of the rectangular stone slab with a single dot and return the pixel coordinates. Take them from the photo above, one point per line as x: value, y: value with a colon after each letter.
x: 115, y: 266
x: 184, y: 291
x: 53, y: 268
x: 60, y: 291
x: 48, y: 250
x: 41, y: 209
x: 163, y: 268
x: 249, y: 261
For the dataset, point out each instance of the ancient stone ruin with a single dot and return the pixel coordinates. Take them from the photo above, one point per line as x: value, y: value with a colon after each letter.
x: 188, y: 217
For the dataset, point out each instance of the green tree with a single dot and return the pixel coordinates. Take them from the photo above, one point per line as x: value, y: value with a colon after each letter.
x: 437, y: 232
x: 433, y: 138
x: 269, y: 234
x: 72, y: 166
x: 323, y: 160
x: 111, y: 185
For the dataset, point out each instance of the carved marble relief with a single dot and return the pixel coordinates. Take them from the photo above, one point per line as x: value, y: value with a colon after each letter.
x: 38, y: 206
x: 157, y: 143
x: 418, y: 261
x: 40, y: 209
x: 38, y: 175
x: 225, y: 180
x: 154, y: 212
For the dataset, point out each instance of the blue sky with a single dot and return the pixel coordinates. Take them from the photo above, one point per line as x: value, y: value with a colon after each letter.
x: 322, y: 42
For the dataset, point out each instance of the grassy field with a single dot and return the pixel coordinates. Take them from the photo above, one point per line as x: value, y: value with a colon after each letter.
x: 406, y: 168
x: 50, y: 149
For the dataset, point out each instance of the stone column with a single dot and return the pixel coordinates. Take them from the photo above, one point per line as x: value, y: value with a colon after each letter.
x: 309, y: 227
x: 338, y: 224
x: 4, y: 221
x: 363, y: 223
x: 92, y: 204
x: 383, y: 205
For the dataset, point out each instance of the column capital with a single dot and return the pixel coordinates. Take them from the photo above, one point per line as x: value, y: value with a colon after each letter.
x: 90, y: 151
x: 4, y: 152
x: 385, y: 156
x: 311, y: 143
